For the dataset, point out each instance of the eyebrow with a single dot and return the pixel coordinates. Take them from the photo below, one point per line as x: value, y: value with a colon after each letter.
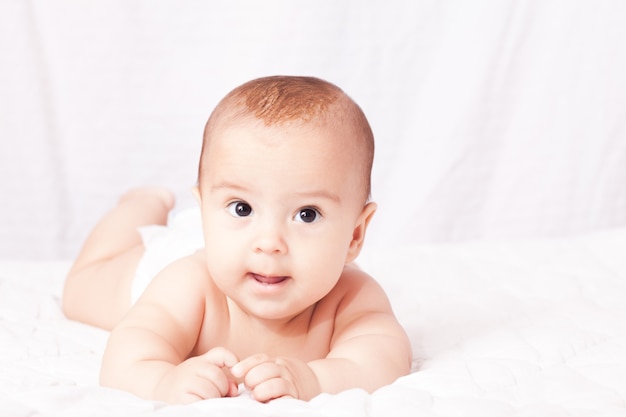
x: 226, y: 185
x: 313, y: 194
x: 319, y: 194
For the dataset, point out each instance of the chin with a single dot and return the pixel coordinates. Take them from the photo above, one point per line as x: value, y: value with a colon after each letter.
x: 276, y: 314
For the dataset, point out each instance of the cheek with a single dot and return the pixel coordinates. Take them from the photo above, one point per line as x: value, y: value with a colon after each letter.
x: 220, y: 249
x: 326, y: 252
x: 323, y: 265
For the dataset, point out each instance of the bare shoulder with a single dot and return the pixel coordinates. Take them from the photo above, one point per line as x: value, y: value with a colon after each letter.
x: 357, y: 292
x: 175, y: 300
x: 360, y: 306
x: 185, y: 277
x: 166, y: 320
x: 364, y: 320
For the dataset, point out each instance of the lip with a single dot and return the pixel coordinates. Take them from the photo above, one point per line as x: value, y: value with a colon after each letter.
x: 269, y: 280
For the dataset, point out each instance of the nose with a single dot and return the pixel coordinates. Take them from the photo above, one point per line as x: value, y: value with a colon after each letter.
x: 270, y: 239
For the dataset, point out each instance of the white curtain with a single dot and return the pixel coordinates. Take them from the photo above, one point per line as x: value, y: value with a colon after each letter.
x: 494, y: 118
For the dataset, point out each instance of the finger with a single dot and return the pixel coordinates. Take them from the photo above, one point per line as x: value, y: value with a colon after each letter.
x: 186, y: 398
x: 273, y: 389
x: 213, y: 378
x: 243, y: 367
x: 202, y: 372
x: 233, y: 389
x: 193, y: 388
x: 261, y: 373
x: 221, y: 357
x: 203, y: 388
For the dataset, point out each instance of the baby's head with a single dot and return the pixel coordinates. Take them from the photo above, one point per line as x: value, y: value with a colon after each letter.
x: 283, y: 186
x: 282, y: 101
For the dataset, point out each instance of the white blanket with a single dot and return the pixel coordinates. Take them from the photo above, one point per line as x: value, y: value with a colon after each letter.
x: 494, y: 119
x: 531, y: 328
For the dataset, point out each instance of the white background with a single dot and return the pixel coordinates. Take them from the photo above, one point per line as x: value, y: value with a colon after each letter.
x: 494, y: 119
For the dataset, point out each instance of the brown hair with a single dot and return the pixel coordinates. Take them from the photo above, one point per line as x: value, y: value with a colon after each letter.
x: 279, y: 100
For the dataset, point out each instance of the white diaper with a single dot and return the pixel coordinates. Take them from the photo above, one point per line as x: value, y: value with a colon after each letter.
x: 164, y: 244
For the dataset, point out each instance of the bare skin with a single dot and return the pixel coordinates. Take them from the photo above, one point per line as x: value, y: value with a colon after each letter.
x: 97, y: 288
x: 272, y: 301
x: 196, y: 343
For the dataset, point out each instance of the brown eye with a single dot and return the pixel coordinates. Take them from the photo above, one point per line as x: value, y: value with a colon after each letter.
x: 307, y: 215
x: 239, y: 209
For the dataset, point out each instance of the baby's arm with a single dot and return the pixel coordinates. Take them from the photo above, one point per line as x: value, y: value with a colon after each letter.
x: 147, y: 352
x: 369, y: 349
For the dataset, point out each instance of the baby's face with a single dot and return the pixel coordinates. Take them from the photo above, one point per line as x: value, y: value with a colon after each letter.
x: 279, y: 206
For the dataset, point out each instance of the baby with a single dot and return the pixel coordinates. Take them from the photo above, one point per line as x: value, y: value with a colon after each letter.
x: 272, y: 301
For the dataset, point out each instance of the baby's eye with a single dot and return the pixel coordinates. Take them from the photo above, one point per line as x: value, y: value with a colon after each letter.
x: 307, y: 215
x: 239, y: 209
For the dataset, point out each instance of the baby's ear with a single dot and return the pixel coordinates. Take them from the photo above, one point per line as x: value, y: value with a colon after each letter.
x: 358, y: 234
x: 196, y: 193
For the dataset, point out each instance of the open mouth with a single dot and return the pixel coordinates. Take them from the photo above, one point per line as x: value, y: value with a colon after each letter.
x: 269, y: 279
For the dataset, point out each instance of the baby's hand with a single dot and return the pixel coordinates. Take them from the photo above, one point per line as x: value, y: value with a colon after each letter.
x: 198, y: 378
x: 269, y: 378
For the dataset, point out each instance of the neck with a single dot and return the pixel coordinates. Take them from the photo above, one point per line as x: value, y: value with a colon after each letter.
x: 295, y: 325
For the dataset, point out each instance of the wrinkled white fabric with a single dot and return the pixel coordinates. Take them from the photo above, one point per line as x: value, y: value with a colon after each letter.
x: 526, y: 328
